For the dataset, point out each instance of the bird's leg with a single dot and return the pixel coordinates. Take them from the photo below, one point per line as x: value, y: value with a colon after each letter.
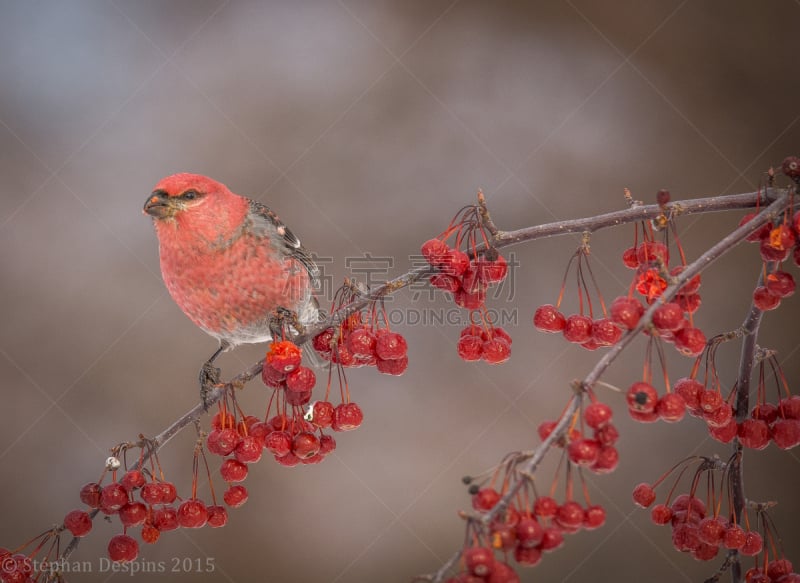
x: 210, y: 374
x: 279, y: 320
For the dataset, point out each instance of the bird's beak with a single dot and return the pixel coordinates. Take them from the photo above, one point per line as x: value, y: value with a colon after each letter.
x: 160, y: 206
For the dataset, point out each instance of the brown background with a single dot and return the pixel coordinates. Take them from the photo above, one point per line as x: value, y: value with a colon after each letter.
x: 367, y: 125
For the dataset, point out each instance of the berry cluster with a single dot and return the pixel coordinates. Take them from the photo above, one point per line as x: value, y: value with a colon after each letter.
x: 694, y: 530
x: 362, y: 339
x: 597, y: 453
x: 776, y: 244
x: 778, y: 422
x: 528, y: 524
x: 468, y: 273
x: 294, y: 435
x: 775, y: 571
x: 580, y: 328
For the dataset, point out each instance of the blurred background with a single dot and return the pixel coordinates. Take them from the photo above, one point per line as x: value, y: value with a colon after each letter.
x: 367, y: 125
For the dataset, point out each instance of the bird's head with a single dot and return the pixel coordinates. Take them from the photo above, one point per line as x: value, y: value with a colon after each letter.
x: 184, y: 194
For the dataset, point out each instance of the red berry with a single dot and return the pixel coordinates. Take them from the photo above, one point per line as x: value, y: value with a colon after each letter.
x: 790, y: 407
x: 712, y: 530
x: 569, y: 515
x: 165, y: 518
x: 470, y: 300
x: 671, y: 407
x: 734, y: 537
x: 530, y: 532
x: 223, y: 441
x: 583, y: 451
x: 684, y: 502
x: 546, y: 428
x: 322, y: 341
x: 132, y: 480
x: 133, y: 514
x: 607, y: 435
x: 605, y: 332
x: 217, y: 516
x: 607, y: 460
x: 690, y: 390
x: 322, y: 414
x: 629, y: 258
x: 150, y: 534
x: 753, y: 544
x: 726, y: 433
x: 493, y: 271
x: 470, y: 348
x: 644, y: 495
x: 688, y: 302
x: 685, y: 538
x: 113, y: 497
x: 233, y: 470
x: 594, y: 517
x: 691, y: 286
x: 552, y: 539
x: 347, y: 416
x: 764, y: 299
x: 502, y: 573
x: 455, y: 263
x: 279, y: 443
x: 761, y: 233
x: 485, y: 499
x: 299, y: 399
x: 597, y: 415
x: 652, y: 251
x: 192, y: 513
x: 668, y: 317
x: 305, y: 445
x: 780, y: 284
x: 705, y: 552
x: 284, y: 356
x: 690, y: 341
x: 435, y: 251
x: 578, y: 328
x: 642, y: 397
x: 122, y: 548
x: 661, y: 514
x: 782, y: 237
x: 391, y: 346
x: 791, y: 167
x: 479, y: 561
x: 361, y: 342
x: 545, y: 507
x: 77, y: 522
x: 289, y: 460
x: 273, y: 378
x: 168, y: 492
x: 626, y: 311
x: 547, y: 318
x: 326, y: 444
x: 496, y: 351
x: 249, y: 449
x: 754, y: 433
x: 643, y: 416
x: 90, y: 494
x: 235, y: 496
x: 778, y: 568
x: 770, y: 253
x: 786, y: 433
x: 301, y: 380
x: 151, y: 493
x: 395, y: 367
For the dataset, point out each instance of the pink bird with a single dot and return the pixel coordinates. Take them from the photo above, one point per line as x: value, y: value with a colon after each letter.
x: 229, y: 263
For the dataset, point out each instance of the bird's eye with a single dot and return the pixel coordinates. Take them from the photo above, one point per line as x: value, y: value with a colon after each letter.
x: 190, y: 194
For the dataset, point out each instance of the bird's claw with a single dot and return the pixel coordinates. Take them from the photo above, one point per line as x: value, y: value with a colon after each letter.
x: 209, y: 380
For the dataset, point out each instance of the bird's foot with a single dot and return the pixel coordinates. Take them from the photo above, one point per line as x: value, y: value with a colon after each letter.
x: 209, y: 380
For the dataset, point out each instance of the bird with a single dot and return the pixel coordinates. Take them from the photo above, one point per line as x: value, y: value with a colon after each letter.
x: 230, y: 264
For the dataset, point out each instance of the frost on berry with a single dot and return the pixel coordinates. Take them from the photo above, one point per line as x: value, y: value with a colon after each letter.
x: 644, y: 495
x: 578, y: 328
x: 217, y: 516
x: 305, y: 445
x: 605, y: 332
x: 435, y: 252
x: 132, y: 480
x: 661, y: 514
x: 192, y: 514
x: 671, y: 407
x: 113, y: 497
x: 90, y: 494
x: 626, y: 311
x: 496, y: 351
x: 78, y: 522
x: 479, y: 561
x: 583, y: 451
x: 754, y: 433
x: 391, y: 346
x: 301, y: 380
x: 690, y: 341
x: 347, y: 416
x: 547, y: 318
x: 597, y: 415
x: 607, y: 459
x: 394, y: 367
x: 235, y: 496
x: 248, y: 450
x: 133, y: 514
x: 690, y: 390
x: 470, y: 348
x: 668, y: 317
x: 232, y: 470
x: 165, y: 518
x: 594, y: 517
x: 122, y: 548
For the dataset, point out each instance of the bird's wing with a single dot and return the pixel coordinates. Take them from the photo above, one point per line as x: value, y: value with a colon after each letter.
x: 266, y: 222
